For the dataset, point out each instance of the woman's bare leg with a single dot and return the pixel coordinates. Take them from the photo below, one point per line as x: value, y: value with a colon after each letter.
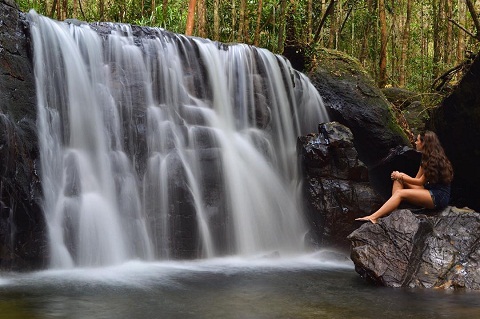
x: 397, y: 185
x: 420, y: 197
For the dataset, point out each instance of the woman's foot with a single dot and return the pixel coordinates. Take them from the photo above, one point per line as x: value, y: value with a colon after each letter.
x: 367, y: 219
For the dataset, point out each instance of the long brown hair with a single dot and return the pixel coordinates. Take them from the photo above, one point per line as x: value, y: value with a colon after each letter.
x: 435, y: 163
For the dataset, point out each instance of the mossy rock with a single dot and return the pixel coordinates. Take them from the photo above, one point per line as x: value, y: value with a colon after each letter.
x: 352, y: 99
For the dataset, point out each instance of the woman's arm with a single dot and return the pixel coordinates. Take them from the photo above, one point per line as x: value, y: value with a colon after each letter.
x: 418, y: 180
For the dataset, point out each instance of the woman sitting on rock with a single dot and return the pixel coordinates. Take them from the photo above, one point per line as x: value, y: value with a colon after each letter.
x: 429, y: 189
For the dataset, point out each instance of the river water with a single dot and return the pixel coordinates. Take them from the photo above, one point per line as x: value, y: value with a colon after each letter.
x: 309, y: 286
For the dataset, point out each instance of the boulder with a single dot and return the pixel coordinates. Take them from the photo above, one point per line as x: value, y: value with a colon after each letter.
x: 335, y: 185
x: 409, y: 108
x: 353, y: 99
x: 417, y: 250
x: 456, y: 123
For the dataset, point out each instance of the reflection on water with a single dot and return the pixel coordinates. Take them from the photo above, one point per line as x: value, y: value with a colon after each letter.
x: 302, y: 287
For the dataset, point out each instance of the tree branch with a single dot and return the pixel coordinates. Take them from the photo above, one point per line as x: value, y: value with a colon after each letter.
x: 324, y: 18
x: 471, y: 8
x: 463, y: 28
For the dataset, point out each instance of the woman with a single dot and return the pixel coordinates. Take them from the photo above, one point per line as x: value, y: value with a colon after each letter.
x: 430, y: 188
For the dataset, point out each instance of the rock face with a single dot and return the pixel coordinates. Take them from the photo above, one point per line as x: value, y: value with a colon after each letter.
x: 353, y: 99
x: 336, y: 185
x: 407, y: 250
x: 22, y: 227
x: 410, y: 107
x: 456, y: 123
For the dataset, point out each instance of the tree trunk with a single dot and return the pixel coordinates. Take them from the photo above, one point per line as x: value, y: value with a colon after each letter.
x: 281, y: 25
x: 101, y: 9
x: 462, y: 19
x: 216, y: 20
x: 382, y: 77
x: 164, y: 10
x: 309, y: 20
x: 328, y: 12
x: 405, y: 40
x: 75, y: 9
x: 234, y: 21
x: 436, y: 7
x: 257, y: 28
x: 332, y: 43
x: 191, y: 17
x: 447, y: 58
x: 394, y: 39
x: 201, y: 18
x: 153, y: 11
x: 241, y: 22
x: 366, y: 32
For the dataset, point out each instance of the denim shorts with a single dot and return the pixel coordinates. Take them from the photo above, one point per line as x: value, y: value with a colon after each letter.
x: 440, y: 194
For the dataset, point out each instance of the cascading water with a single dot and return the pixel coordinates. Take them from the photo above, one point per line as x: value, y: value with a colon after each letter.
x: 157, y: 146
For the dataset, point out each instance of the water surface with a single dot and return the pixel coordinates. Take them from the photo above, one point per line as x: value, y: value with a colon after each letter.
x: 313, y: 286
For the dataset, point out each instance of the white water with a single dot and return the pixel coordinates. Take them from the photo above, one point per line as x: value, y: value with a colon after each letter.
x: 156, y: 147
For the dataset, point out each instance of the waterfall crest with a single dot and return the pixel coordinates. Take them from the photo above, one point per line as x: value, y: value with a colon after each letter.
x: 154, y: 145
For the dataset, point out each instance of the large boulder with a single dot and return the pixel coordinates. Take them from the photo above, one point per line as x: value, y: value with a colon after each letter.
x: 408, y: 250
x: 22, y: 226
x: 409, y: 108
x: 353, y: 99
x: 456, y: 122
x: 336, y: 187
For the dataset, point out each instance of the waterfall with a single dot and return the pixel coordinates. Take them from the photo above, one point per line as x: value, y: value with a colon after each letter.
x: 154, y: 145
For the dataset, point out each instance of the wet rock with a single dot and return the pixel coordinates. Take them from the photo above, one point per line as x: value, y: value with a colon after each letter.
x: 408, y: 250
x: 336, y: 186
x: 22, y: 226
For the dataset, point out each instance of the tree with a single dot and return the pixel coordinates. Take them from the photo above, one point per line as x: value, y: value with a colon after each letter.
x: 405, y: 41
x: 190, y: 17
x: 382, y: 78
x: 462, y: 17
x: 256, y: 41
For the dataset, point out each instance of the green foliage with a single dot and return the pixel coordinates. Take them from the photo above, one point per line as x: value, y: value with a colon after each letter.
x: 353, y: 28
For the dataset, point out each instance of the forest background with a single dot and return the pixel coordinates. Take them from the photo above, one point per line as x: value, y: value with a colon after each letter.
x: 417, y: 45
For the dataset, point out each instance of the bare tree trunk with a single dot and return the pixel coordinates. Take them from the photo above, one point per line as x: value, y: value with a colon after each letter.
x: 153, y: 11
x: 216, y: 20
x: 201, y: 17
x: 393, y: 38
x: 309, y: 20
x: 234, y: 21
x: 436, y: 7
x: 101, y: 9
x: 54, y: 8
x: 328, y: 11
x: 382, y: 77
x: 241, y: 22
x: 257, y: 28
x: 366, y: 32
x: 447, y: 57
x: 462, y: 19
x: 333, y: 27
x: 190, y: 17
x: 164, y: 10
x: 405, y: 40
x: 281, y: 26
x: 75, y: 8
x: 473, y: 14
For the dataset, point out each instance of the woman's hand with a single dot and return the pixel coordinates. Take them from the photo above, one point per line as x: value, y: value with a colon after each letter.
x: 397, y: 176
